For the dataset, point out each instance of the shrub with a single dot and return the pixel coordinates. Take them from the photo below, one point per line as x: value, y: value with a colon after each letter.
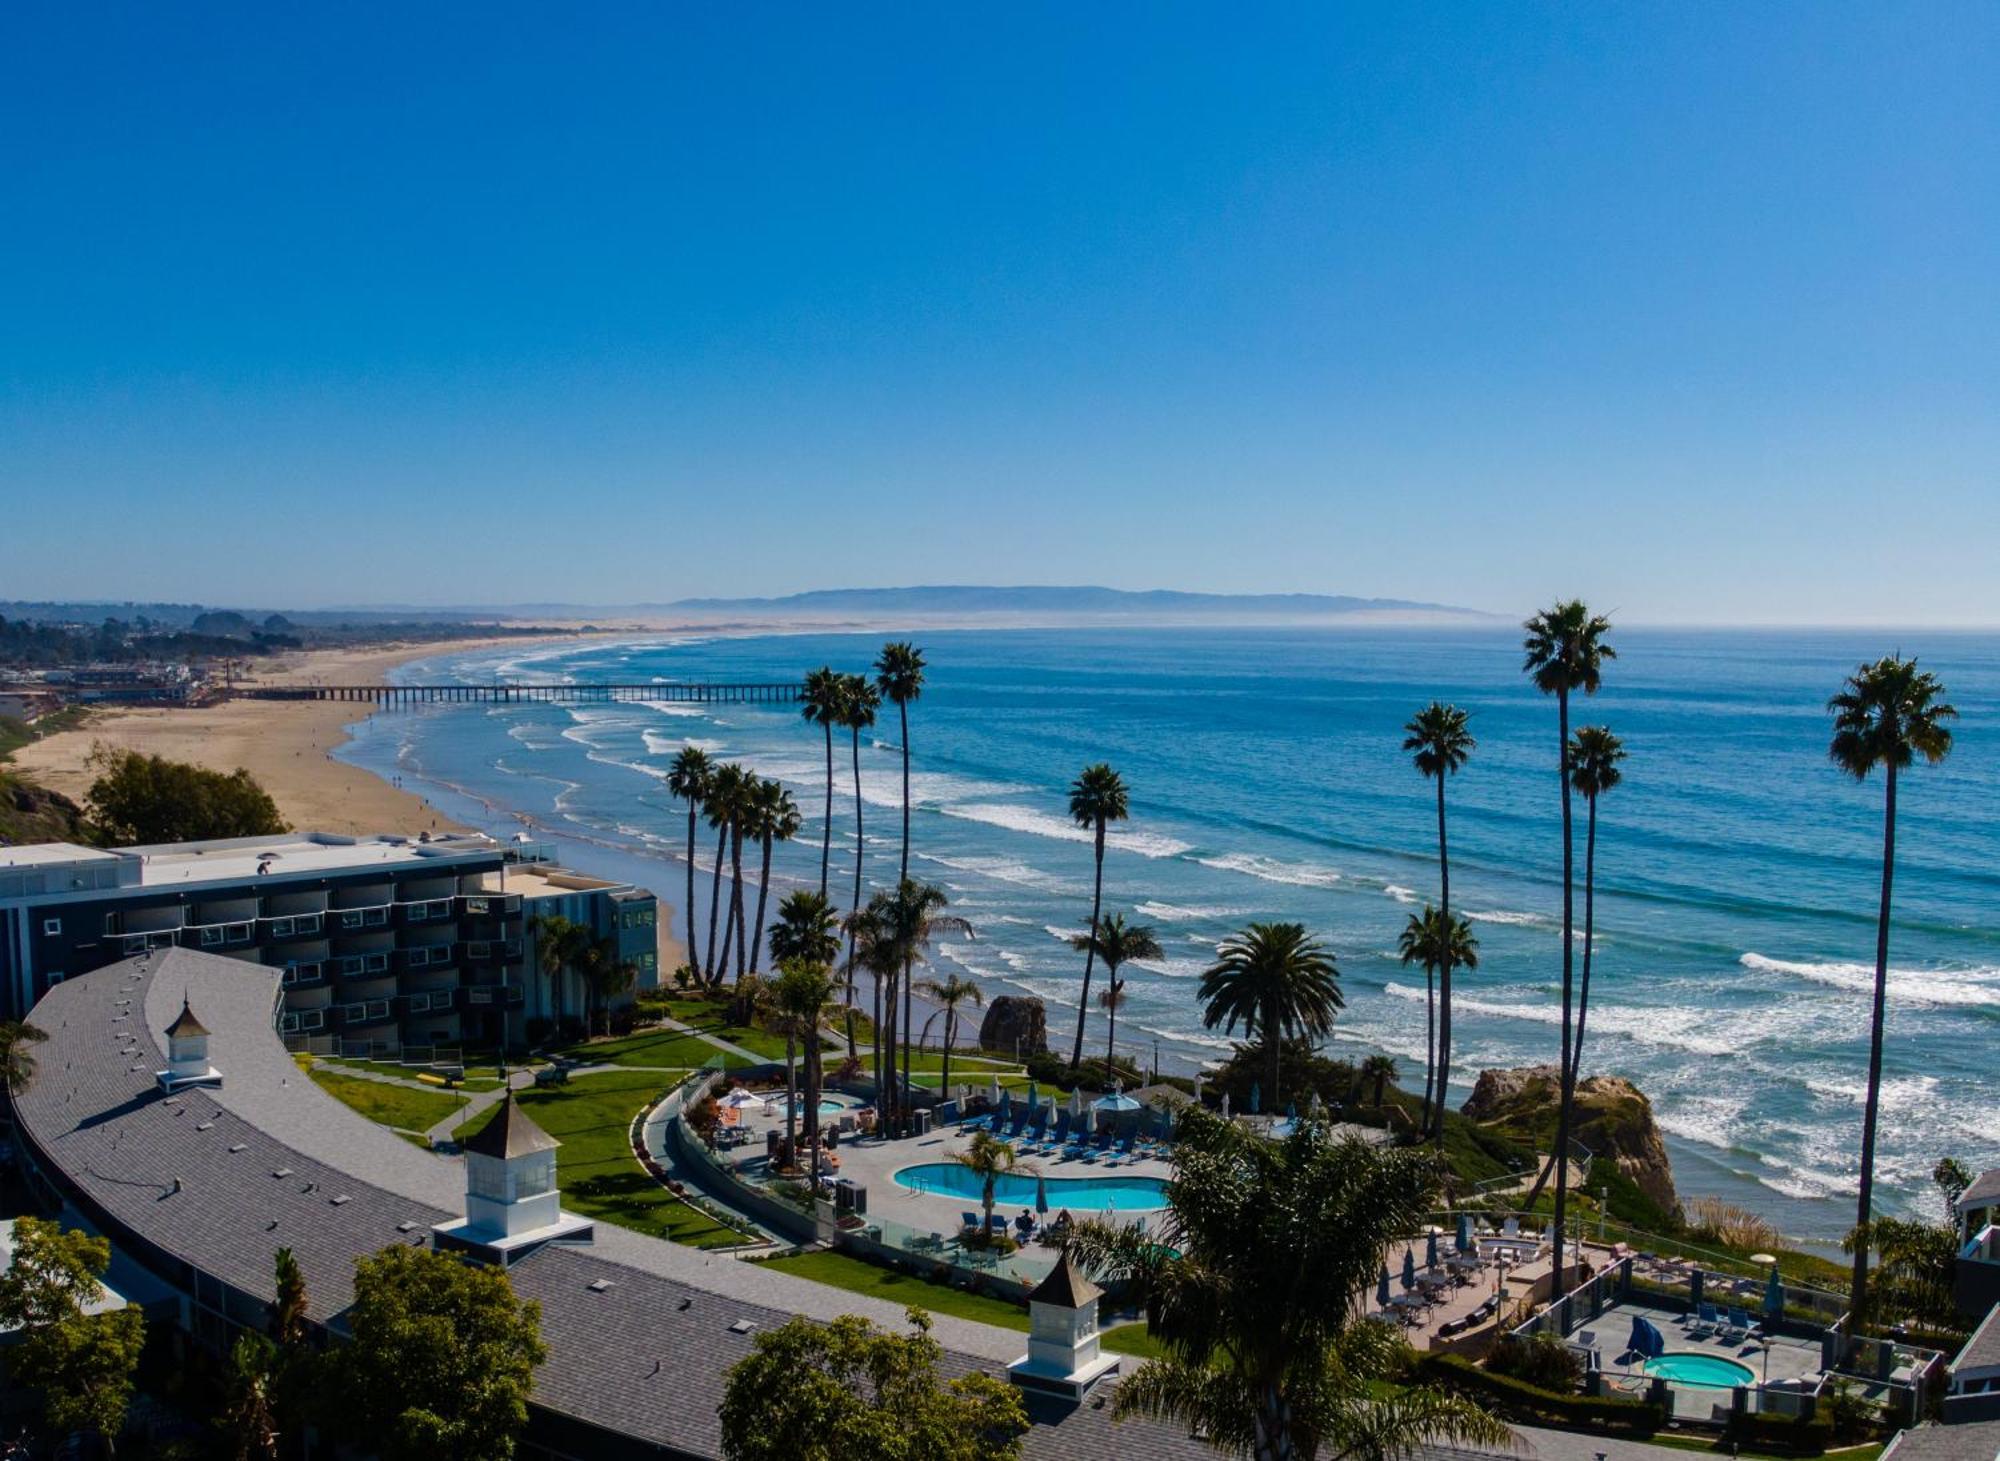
x: 1542, y: 1361
x: 538, y: 1029
x: 1520, y: 1401
x: 1711, y: 1220
x: 1796, y: 1434
x: 623, y: 1019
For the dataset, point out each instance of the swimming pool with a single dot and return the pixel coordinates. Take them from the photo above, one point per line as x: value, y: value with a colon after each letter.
x: 1083, y: 1195
x: 834, y: 1105
x: 1712, y: 1370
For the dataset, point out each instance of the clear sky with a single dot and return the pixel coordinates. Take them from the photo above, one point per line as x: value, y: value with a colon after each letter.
x: 1691, y: 309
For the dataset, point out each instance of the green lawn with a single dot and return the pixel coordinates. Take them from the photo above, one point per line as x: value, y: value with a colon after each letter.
x: 659, y: 1048
x: 477, y: 1078
x: 1722, y: 1448
x: 394, y: 1106
x: 857, y: 1275
x: 711, y: 1018
x: 592, y: 1116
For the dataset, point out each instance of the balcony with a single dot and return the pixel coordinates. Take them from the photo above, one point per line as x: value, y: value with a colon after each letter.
x: 431, y: 1002
x: 304, y: 976
x: 353, y: 920
x: 219, y: 935
x: 505, y: 996
x: 430, y: 957
x: 293, y: 925
x: 361, y: 966
x: 492, y: 951
x: 365, y: 1012
x: 491, y: 905
x: 144, y: 943
x: 431, y: 910
x: 301, y: 1022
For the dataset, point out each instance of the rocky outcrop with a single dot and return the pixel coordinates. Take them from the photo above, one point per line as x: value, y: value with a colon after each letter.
x: 1613, y: 1119
x: 1015, y: 1022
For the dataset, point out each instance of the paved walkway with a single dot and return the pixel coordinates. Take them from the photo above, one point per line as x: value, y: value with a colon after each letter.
x: 1547, y: 1445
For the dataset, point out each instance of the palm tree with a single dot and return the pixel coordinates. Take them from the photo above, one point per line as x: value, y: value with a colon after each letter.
x: 806, y: 936
x: 1097, y: 798
x: 1888, y: 714
x: 858, y: 703
x: 725, y: 791
x: 776, y: 819
x: 688, y: 779
x: 1594, y: 754
x: 795, y: 1002
x: 1110, y: 999
x: 1278, y: 982
x: 894, y: 933
x: 988, y: 1156
x: 1381, y: 1070
x: 1563, y: 652
x: 17, y: 1061
x: 1116, y: 943
x: 1440, y: 744
x: 915, y: 916
x: 1437, y: 941
x: 948, y: 994
x: 1250, y: 1283
x: 560, y: 947
x: 605, y: 976
x: 820, y: 705
x: 899, y: 675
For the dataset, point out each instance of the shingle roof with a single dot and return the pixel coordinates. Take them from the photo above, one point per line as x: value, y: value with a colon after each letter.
x: 220, y: 1179
x: 1979, y: 1441
x: 1065, y: 1287
x: 510, y: 1134
x: 185, y: 1023
x: 1982, y: 1351
x: 1985, y: 1189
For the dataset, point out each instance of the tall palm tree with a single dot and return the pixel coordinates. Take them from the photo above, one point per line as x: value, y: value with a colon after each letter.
x: 1277, y: 982
x: 776, y: 819
x: 17, y: 1061
x: 1097, y: 798
x: 1116, y: 943
x: 858, y: 703
x: 896, y: 930
x: 1440, y: 743
x: 1437, y: 941
x: 899, y: 675
x: 1888, y: 714
x: 987, y: 1157
x: 806, y: 936
x: 605, y: 976
x: 1250, y: 1281
x: 719, y: 807
x: 948, y: 994
x: 820, y: 705
x: 688, y: 779
x: 794, y: 1003
x: 560, y: 948
x: 1563, y: 652
x: 1594, y: 754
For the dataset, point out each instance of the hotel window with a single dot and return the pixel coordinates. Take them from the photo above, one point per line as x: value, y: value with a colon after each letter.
x: 211, y: 936
x: 114, y: 923
x: 51, y: 926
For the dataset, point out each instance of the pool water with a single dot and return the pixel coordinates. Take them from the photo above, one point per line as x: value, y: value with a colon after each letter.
x: 1700, y: 1369
x: 1083, y: 1195
x: 833, y: 1106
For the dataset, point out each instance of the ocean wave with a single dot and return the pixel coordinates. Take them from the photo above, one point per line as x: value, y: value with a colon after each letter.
x: 1272, y: 870
x: 1711, y: 1121
x: 1173, y: 968
x: 1679, y: 1029
x: 1400, y: 893
x: 1175, y: 913
x: 1037, y: 823
x: 674, y: 708
x: 1929, y: 987
x: 1512, y: 919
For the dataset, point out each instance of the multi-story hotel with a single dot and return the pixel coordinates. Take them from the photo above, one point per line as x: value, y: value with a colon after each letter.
x: 390, y: 940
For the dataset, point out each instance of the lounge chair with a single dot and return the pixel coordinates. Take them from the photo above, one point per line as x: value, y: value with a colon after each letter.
x: 1014, y: 1128
x: 1062, y: 1126
x: 998, y: 1224
x: 969, y: 1222
x: 1735, y: 1328
x: 1706, y: 1323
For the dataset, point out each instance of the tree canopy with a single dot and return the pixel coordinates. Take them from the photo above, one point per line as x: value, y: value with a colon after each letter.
x: 81, y: 1362
x: 143, y: 799
x: 826, y: 1392
x: 442, y: 1361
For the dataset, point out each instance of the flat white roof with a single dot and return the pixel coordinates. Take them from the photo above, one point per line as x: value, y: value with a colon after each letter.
x: 311, y: 852
x: 52, y: 854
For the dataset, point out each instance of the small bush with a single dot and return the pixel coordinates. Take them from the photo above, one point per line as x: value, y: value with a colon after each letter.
x: 538, y: 1029
x: 623, y: 1019
x: 1520, y: 1401
x: 1711, y: 1220
x: 1794, y: 1434
x: 1542, y: 1361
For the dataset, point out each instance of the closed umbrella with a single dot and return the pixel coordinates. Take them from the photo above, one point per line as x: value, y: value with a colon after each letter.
x: 1409, y: 1268
x: 1225, y: 1105
x: 1256, y: 1092
x: 1464, y: 1239
x: 1774, y: 1296
x: 995, y: 1092
x: 1292, y: 1111
x: 1041, y: 1195
x: 1006, y: 1105
x: 1431, y: 1249
x: 1034, y: 1097
x: 1382, y: 1288
x: 1076, y: 1101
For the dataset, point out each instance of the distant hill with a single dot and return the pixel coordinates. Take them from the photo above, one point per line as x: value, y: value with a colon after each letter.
x: 956, y: 599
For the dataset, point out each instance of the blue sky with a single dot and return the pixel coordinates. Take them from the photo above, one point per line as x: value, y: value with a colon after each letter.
x: 1693, y: 310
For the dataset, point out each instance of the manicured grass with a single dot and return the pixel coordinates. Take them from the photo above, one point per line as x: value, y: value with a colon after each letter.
x: 1868, y: 1452
x: 711, y: 1017
x: 666, y: 1049
x: 592, y: 1117
x: 477, y: 1078
x: 394, y: 1106
x: 1134, y: 1339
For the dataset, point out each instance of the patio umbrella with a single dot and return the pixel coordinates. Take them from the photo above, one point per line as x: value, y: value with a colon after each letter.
x: 1409, y: 1268
x: 1197, y: 1088
x: 1382, y: 1288
x: 1034, y: 1097
x: 1774, y: 1296
x: 1076, y: 1101
x: 1464, y: 1238
x: 1694, y: 1288
x: 1256, y: 1091
x: 1225, y: 1105
x: 996, y: 1090
x: 1041, y: 1194
x: 1431, y: 1249
x: 1006, y: 1104
x: 1292, y: 1112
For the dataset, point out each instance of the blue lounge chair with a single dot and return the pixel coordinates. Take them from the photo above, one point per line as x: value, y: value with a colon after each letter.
x: 1062, y: 1126
x: 1736, y: 1327
x: 970, y: 1220
x: 1038, y: 1127
x: 1020, y: 1120
x: 1707, y: 1321
x: 998, y: 1224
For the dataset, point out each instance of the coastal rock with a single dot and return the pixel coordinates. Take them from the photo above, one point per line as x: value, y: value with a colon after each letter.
x: 1015, y: 1021
x: 1613, y: 1119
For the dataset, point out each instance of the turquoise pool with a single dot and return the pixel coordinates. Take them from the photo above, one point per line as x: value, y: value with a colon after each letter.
x: 834, y: 1105
x: 1081, y: 1195
x: 1701, y: 1369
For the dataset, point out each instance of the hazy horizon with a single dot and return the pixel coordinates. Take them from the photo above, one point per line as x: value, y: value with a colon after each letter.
x: 1694, y: 314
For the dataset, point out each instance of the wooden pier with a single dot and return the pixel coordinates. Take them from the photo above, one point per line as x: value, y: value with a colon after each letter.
x: 679, y: 693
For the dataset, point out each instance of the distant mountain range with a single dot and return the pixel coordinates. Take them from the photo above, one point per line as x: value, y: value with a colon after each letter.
x: 977, y: 599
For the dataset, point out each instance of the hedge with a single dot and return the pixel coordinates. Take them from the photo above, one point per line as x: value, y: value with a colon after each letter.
x: 1791, y: 1433
x: 1522, y: 1401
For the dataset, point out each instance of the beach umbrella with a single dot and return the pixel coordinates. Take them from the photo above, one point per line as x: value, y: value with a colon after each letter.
x: 1382, y: 1288
x: 1197, y: 1088
x: 1464, y: 1239
x: 1774, y: 1296
x: 1431, y: 1249
x: 1076, y: 1101
x: 1694, y: 1287
x: 1034, y: 1097
x: 996, y: 1090
x: 1256, y: 1093
x: 1225, y: 1105
x: 1292, y: 1112
x: 1041, y: 1194
x: 1409, y: 1268
x: 1006, y: 1104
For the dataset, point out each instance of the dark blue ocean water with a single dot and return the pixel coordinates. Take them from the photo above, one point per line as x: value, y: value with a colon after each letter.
x: 1737, y: 869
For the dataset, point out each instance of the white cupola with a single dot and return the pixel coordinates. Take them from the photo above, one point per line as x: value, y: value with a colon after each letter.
x: 187, y: 1054
x: 512, y: 1204
x: 1063, y: 1357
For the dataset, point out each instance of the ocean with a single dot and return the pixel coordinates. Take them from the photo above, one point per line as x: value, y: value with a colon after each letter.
x: 1737, y: 870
